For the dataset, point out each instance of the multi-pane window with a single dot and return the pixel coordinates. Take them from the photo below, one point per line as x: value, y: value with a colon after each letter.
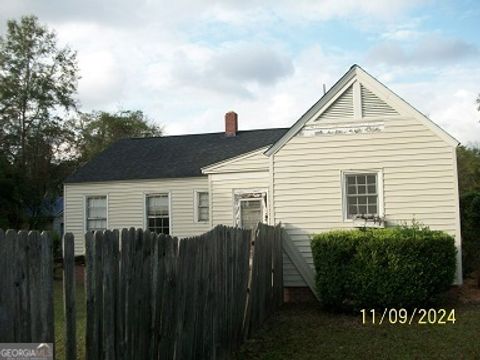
x: 361, y: 195
x: 96, y: 213
x: 158, y: 214
x: 250, y: 213
x: 202, y: 206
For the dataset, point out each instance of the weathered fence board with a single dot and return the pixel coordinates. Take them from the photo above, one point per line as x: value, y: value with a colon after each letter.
x: 90, y: 342
x: 148, y: 296
x: 197, y: 298
x: 22, y: 315
x: 26, y: 303
x: 7, y: 300
x: 108, y: 311
x: 69, y: 296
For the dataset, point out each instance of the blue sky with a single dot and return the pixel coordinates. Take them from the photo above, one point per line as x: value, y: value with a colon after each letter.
x: 186, y: 63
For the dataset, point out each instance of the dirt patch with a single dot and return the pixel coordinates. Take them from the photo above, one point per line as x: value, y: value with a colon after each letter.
x: 79, y: 274
x: 468, y: 293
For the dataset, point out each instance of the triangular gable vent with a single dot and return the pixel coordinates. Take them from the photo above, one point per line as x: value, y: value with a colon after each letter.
x: 368, y: 105
x: 342, y: 108
x: 373, y: 106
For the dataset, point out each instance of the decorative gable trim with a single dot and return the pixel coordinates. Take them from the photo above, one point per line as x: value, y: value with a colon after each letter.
x: 357, y: 77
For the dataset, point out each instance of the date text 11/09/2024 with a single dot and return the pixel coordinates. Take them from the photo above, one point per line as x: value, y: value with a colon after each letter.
x: 408, y: 317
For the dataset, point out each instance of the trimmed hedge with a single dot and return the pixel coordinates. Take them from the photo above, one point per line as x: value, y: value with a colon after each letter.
x: 376, y: 268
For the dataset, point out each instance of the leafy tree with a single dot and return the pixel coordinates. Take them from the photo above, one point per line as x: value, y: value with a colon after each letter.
x: 98, y: 130
x: 470, y: 217
x: 38, y: 81
x: 468, y: 163
x: 10, y: 213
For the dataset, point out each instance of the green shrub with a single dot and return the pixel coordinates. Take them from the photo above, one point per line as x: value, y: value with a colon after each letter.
x: 374, y: 268
x: 470, y: 217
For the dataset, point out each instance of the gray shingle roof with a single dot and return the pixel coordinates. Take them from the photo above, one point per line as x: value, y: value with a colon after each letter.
x: 170, y: 156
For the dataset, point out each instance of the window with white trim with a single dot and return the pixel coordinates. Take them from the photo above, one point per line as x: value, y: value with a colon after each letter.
x: 96, y: 213
x: 361, y: 195
x: 202, y: 206
x: 158, y: 213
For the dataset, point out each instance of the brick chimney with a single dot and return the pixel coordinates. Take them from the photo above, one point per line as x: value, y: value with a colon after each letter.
x: 231, y: 123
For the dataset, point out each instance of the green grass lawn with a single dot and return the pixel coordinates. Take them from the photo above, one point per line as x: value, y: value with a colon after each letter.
x: 308, y: 332
x: 60, y: 320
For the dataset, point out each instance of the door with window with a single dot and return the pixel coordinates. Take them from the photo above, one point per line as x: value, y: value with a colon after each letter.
x: 250, y: 208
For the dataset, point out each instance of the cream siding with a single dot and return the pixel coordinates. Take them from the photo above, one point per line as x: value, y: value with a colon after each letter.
x: 254, y: 161
x: 223, y: 185
x: 126, y: 205
x: 418, y: 167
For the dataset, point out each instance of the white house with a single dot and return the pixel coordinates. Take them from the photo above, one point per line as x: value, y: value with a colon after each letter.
x: 360, y: 150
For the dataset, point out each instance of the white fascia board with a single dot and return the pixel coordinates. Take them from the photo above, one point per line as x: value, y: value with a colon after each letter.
x: 396, y: 102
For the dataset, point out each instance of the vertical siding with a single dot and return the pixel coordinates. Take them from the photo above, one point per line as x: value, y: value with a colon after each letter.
x: 418, y: 171
x: 126, y: 205
x: 223, y: 185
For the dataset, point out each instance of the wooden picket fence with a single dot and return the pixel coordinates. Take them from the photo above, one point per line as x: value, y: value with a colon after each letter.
x: 150, y: 296
x: 26, y: 287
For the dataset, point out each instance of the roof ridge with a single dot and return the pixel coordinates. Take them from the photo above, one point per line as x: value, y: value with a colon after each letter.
x: 200, y: 134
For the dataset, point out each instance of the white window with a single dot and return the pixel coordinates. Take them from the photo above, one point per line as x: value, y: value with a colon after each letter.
x: 251, y: 213
x: 362, y: 195
x: 202, y: 207
x: 158, y: 213
x: 96, y: 213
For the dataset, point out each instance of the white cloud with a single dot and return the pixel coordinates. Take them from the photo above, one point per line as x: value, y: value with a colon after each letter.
x: 134, y: 13
x: 102, y: 79
x: 448, y: 99
x: 147, y: 55
x: 427, y: 49
x: 237, y: 69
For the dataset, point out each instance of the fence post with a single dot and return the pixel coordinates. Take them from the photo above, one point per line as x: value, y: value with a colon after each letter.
x: 90, y: 296
x: 69, y: 296
x: 108, y: 312
x: 7, y: 303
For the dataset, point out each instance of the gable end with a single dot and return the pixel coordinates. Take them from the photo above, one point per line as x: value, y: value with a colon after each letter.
x: 356, y: 96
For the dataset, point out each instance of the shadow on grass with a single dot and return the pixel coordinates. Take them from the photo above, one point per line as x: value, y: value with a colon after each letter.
x: 301, y: 331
